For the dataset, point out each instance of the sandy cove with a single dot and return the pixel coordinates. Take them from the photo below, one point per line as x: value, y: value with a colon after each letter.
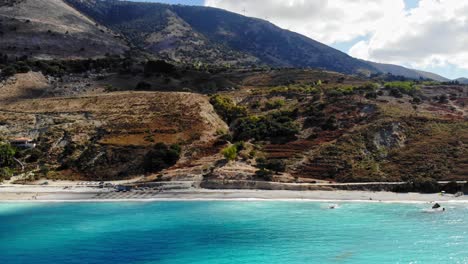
x: 92, y: 194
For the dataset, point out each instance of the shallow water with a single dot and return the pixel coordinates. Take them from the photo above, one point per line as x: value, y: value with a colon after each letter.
x: 231, y: 232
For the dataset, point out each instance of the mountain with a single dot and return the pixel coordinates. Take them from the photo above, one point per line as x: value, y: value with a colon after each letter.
x: 408, y: 73
x: 189, y: 33
x: 462, y: 80
x: 185, y: 34
x: 53, y: 29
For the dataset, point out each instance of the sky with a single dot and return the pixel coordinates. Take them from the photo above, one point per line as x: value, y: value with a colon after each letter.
x: 430, y: 35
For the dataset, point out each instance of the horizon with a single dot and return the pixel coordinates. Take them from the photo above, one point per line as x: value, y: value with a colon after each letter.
x: 403, y: 34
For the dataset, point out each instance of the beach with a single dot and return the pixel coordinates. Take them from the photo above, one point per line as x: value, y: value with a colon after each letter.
x: 34, y: 193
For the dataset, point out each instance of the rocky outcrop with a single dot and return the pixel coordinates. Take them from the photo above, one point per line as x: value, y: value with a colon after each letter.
x: 390, y: 136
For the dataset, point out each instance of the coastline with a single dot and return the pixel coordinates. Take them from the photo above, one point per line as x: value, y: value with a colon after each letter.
x: 11, y: 194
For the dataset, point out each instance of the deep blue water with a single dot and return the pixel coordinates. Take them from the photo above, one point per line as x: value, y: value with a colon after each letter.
x: 231, y: 232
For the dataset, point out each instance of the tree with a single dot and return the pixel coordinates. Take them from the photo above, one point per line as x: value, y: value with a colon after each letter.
x: 331, y: 123
x: 5, y: 174
x: 142, y: 86
x: 7, y: 153
x: 230, y: 153
x: 9, y: 71
x: 443, y: 99
x: 396, y: 93
x: 227, y: 109
x: 275, y: 165
x: 161, y: 157
x: 158, y: 66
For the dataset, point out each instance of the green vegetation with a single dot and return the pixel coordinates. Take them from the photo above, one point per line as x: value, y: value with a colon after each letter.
x: 230, y: 153
x: 274, y: 165
x: 274, y: 104
x: 7, y: 153
x: 421, y: 184
x: 227, y: 109
x: 277, y: 126
x: 60, y: 67
x: 293, y: 88
x: 5, y: 174
x: 397, y: 89
x: 143, y: 86
x: 159, y: 66
x: 161, y: 157
x: 345, y: 90
x: 9, y: 71
x: 264, y: 174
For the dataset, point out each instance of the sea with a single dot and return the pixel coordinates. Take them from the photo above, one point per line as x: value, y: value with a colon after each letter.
x: 209, y: 232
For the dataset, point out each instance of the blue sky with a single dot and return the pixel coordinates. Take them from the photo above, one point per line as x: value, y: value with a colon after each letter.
x: 359, y: 28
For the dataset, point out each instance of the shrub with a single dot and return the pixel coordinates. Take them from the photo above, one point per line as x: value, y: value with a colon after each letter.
x: 371, y: 95
x: 275, y: 165
x: 420, y: 184
x: 230, y: 153
x: 5, y: 174
x: 452, y: 187
x: 142, y: 86
x: 22, y: 67
x: 9, y: 71
x: 227, y: 109
x: 330, y: 124
x: 416, y: 100
x: 161, y: 157
x: 33, y: 155
x: 276, y: 126
x: 7, y: 153
x: 264, y: 174
x: 158, y: 66
x: 396, y: 93
x: 275, y: 104
x: 443, y: 99
x: 408, y: 88
x: 368, y: 87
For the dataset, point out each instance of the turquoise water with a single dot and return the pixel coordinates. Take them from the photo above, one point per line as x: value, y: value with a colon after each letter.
x: 231, y: 232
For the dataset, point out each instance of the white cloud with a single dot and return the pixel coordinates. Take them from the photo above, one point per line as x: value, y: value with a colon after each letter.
x: 328, y: 21
x: 432, y: 35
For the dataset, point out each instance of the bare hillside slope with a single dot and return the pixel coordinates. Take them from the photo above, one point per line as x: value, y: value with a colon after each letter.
x: 52, y: 29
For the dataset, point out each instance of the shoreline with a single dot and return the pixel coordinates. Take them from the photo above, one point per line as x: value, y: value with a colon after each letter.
x: 44, y: 194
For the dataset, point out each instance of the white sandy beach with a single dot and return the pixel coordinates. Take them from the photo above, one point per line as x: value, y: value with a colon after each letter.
x: 84, y: 193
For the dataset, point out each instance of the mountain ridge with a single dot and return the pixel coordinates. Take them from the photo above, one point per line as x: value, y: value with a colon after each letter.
x: 264, y: 41
x: 193, y: 35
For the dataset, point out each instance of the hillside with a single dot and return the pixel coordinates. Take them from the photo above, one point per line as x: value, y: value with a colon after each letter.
x: 52, y: 29
x: 132, y: 115
x: 108, y: 136
x: 214, y: 35
x: 185, y: 34
x: 285, y: 125
x: 408, y: 73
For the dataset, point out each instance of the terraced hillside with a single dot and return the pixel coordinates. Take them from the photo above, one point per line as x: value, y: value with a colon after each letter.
x: 261, y: 125
x: 109, y: 136
x: 349, y: 130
